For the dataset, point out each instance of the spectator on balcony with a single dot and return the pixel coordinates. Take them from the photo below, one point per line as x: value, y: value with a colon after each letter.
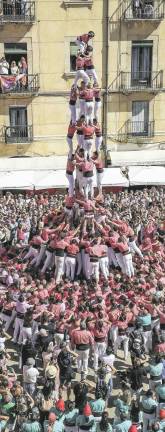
x: 22, y: 65
x: 23, y: 68
x: 4, y: 66
x: 14, y: 68
x: 137, y: 8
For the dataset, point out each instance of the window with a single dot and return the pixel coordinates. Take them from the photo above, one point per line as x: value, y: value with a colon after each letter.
x: 141, y: 64
x: 73, y: 55
x: 18, y: 131
x: 140, y: 118
x: 14, y: 51
x: 18, y: 123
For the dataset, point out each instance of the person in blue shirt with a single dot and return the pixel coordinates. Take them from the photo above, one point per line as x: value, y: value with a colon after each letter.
x: 123, y: 424
x: 97, y: 406
x: 144, y: 319
x: 70, y: 417
x: 53, y: 424
x: 148, y: 407
x: 155, y: 370
x: 160, y: 392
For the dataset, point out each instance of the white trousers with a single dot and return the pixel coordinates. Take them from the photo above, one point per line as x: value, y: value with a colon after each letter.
x: 48, y: 261
x: 81, y: 74
x: 99, y: 178
x: 70, y: 145
x: 119, y: 258
x: 97, y: 107
x: 70, y: 179
x: 104, y: 267
x: 92, y: 73
x: 59, y: 271
x: 37, y: 259
x: 88, y: 187
x: 98, y: 142
x: 112, y: 257
x: 80, y: 181
x: 80, y: 140
x: 94, y: 270
x: 117, y: 343
x: 82, y: 360
x: 89, y: 109
x: 40, y: 255
x: 18, y: 330
x: 87, y: 147
x: 73, y: 113
x: 81, y: 107
x: 114, y: 333
x: 70, y: 263
x: 128, y: 265
x: 147, y: 335
x: 134, y: 248
x: 32, y: 253
x: 99, y: 351
x: 26, y: 334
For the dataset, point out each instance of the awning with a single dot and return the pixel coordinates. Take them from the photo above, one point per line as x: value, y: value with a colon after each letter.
x: 19, y: 180
x: 152, y: 175
x: 52, y: 179
x: 114, y: 177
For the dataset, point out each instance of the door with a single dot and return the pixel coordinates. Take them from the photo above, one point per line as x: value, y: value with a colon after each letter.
x: 141, y: 65
x: 18, y: 123
x: 140, y: 118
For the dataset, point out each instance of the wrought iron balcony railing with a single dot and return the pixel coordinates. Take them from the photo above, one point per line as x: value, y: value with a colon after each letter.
x: 147, y: 10
x: 140, y: 128
x: 20, y: 11
x: 141, y: 80
x: 18, y: 134
x: 19, y: 84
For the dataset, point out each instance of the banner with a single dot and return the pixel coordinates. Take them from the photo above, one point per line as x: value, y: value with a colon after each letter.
x: 9, y: 82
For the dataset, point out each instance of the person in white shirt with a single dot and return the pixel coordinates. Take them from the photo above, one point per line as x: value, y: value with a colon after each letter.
x: 4, y: 66
x: 30, y: 375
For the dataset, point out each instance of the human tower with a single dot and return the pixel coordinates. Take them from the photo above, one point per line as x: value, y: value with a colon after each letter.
x: 85, y: 99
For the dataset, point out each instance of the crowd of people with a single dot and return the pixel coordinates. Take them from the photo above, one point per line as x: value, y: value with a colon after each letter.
x: 82, y: 310
x: 69, y: 317
x: 13, y: 68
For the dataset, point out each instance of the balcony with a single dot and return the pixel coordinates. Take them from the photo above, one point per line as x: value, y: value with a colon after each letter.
x: 20, y: 84
x: 139, y: 128
x: 140, y: 81
x: 146, y: 11
x: 18, y: 134
x: 17, y: 12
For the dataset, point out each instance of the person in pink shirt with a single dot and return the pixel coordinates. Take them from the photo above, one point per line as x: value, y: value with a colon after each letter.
x: 82, y: 40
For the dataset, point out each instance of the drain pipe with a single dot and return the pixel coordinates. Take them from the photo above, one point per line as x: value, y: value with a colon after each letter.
x: 105, y: 96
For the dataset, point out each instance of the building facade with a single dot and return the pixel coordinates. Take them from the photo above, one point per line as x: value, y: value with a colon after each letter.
x: 136, y: 96
x: 130, y: 62
x: 34, y: 113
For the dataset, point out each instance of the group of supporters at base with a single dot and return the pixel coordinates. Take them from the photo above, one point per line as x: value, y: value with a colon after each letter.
x: 88, y: 348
